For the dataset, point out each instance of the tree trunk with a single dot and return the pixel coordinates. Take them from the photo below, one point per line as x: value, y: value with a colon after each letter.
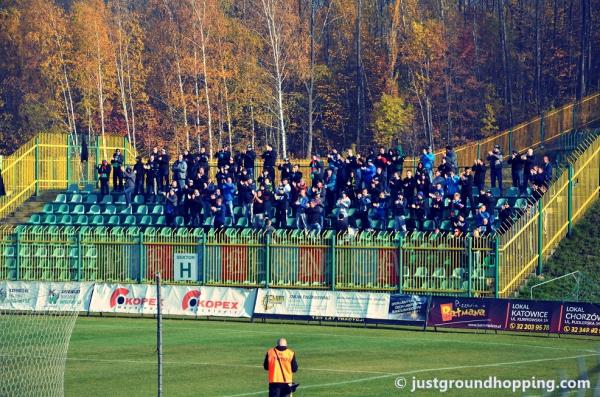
x: 505, y: 60
x: 359, y: 75
x: 100, y: 87
x: 311, y: 82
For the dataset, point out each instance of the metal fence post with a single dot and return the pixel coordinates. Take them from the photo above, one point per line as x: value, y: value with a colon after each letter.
x: 497, y: 266
x: 510, y: 140
x: 470, y: 265
x: 68, y: 161
x: 18, y: 255
x: 125, y: 140
x: 574, y: 121
x: 98, y: 160
x: 203, y: 259
x: 540, y: 206
x: 37, y: 165
x: 79, y: 256
x: 267, y: 260
x: 542, y: 130
x: 159, y: 351
x: 478, y: 150
x: 400, y: 263
x: 570, y: 201
x: 142, y: 261
x: 333, y: 260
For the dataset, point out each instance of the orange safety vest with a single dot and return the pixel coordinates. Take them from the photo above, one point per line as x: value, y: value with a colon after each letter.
x: 280, y: 373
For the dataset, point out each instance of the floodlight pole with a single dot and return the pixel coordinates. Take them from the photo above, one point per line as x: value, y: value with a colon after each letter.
x: 159, y: 334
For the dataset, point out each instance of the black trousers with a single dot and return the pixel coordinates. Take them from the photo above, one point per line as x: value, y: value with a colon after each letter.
x: 277, y: 390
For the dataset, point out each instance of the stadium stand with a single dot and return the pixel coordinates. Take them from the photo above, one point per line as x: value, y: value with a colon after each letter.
x: 83, y: 235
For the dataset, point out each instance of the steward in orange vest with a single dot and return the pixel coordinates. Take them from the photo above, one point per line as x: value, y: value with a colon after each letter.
x: 281, y: 364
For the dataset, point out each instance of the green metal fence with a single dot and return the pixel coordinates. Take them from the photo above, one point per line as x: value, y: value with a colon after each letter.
x: 417, y: 262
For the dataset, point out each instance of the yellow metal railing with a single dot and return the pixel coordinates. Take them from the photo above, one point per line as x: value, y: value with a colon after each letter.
x: 536, y: 234
x: 51, y: 161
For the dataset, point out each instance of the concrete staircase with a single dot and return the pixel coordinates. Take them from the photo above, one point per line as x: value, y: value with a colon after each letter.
x: 30, y: 207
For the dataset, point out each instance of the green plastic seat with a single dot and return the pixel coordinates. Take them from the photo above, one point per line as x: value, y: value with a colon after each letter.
x: 76, y: 198
x: 161, y: 221
x: 66, y: 220
x: 182, y: 232
x: 110, y: 209
x: 49, y: 219
x: 114, y: 220
x: 126, y: 210
x: 446, y: 226
x: 501, y: 202
x: 496, y: 192
x: 146, y: 220
x: 166, y: 232
x: 157, y: 210
x: 242, y: 222
x: 98, y: 220
x: 89, y: 188
x: 79, y: 209
x: 290, y: 222
x: 150, y: 232
x: 521, y: 203
x: 82, y: 220
x: 208, y: 221
x: 107, y: 199
x: 63, y: 209
x: 35, y: 219
x: 512, y: 192
x: 91, y: 199
x: 139, y: 199
x: 133, y: 231
x: 94, y: 210
x: 61, y: 198
x: 48, y: 209
x: 428, y: 226
x: 130, y: 220
x: 142, y: 210
x: 198, y: 232
x: 120, y: 199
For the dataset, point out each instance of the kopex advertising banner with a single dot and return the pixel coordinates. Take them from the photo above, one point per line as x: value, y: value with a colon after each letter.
x: 208, y: 301
x: 124, y: 298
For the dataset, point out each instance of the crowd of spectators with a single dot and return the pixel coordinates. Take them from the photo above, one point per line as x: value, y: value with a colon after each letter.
x: 340, y: 192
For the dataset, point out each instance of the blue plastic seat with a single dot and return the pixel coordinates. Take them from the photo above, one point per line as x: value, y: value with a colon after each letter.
x: 91, y: 199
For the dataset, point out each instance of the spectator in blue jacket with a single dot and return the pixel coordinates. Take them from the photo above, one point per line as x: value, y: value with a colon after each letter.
x: 228, y: 190
x: 452, y: 184
x: 481, y: 215
x: 428, y: 159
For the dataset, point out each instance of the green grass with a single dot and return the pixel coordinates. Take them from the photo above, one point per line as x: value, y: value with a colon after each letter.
x: 579, y: 252
x: 116, y: 357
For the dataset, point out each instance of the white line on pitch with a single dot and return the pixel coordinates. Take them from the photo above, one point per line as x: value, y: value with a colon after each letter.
x: 395, y: 338
x: 418, y: 371
x: 350, y: 371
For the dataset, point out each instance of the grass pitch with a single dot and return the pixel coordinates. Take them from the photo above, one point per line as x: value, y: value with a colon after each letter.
x: 116, y: 357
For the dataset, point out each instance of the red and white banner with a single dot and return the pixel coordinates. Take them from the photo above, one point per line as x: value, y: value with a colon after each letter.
x: 208, y: 301
x: 176, y: 300
x: 124, y: 298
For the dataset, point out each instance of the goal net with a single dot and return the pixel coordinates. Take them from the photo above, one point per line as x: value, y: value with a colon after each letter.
x: 33, y: 351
